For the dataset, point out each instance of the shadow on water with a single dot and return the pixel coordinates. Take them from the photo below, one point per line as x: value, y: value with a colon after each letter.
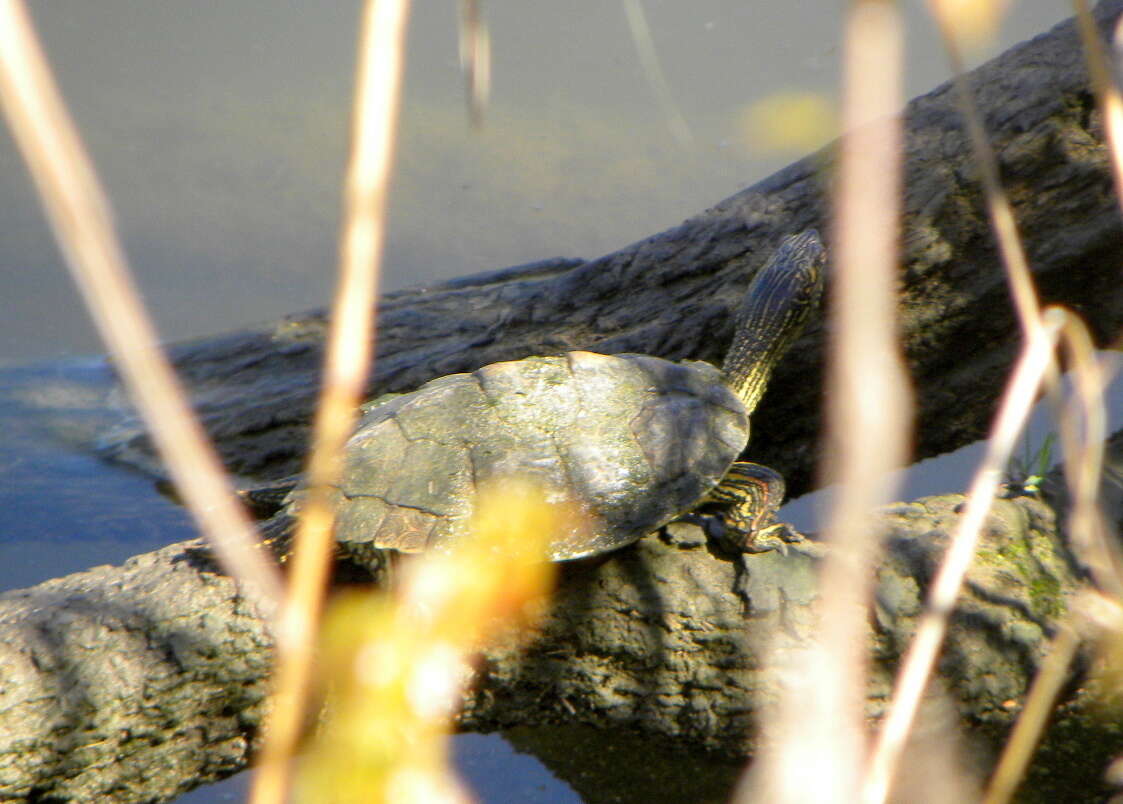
x: 62, y: 509
x: 606, y: 766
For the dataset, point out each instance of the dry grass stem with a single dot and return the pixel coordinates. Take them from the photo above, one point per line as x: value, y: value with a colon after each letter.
x: 349, y: 353
x: 1082, y: 468
x: 396, y: 664
x: 822, y: 721
x: 998, y: 205
x: 1083, y: 431
x: 1083, y: 458
x: 82, y: 222
x: 1088, y: 536
x: 649, y: 59
x: 475, y: 59
x: 1018, y: 751
x: 920, y: 659
x: 1107, y: 93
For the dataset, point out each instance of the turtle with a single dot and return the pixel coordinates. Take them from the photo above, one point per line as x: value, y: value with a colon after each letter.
x: 634, y: 441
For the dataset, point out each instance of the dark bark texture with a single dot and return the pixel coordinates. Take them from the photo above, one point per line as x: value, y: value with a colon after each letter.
x: 135, y: 683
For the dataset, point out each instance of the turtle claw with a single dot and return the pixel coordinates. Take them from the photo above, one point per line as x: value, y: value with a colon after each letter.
x: 734, y: 540
x: 776, y: 536
x: 784, y: 539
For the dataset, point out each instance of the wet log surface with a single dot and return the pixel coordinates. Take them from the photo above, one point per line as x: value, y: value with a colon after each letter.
x: 135, y: 683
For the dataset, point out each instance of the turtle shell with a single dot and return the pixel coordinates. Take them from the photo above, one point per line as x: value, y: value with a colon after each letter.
x: 632, y: 440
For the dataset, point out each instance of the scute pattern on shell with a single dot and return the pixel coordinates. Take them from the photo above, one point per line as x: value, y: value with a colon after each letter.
x: 632, y: 440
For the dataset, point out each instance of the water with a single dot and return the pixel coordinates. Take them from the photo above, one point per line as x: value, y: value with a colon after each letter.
x: 220, y: 133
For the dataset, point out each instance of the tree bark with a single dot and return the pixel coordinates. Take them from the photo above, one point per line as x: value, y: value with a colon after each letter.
x: 135, y: 683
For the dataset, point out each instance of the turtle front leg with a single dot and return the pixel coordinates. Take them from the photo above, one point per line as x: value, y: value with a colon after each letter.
x: 749, y: 496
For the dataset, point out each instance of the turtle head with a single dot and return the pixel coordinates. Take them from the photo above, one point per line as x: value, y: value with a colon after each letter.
x: 773, y: 313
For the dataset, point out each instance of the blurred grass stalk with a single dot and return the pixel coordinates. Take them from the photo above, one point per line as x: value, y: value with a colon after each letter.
x: 820, y: 751
x: 1038, y: 707
x: 918, y: 662
x: 955, y: 21
x: 1100, y: 552
x: 475, y: 59
x: 1083, y: 453
x: 648, y: 56
x: 395, y: 665
x: 80, y: 216
x: 968, y: 22
x: 1089, y: 537
x: 349, y: 355
x: 1107, y: 93
x: 1083, y: 431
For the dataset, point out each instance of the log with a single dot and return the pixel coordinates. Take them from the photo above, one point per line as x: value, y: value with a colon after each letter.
x: 139, y: 682
x: 670, y: 295
x: 135, y: 683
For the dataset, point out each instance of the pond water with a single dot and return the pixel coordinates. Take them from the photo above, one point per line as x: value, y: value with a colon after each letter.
x: 220, y: 133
